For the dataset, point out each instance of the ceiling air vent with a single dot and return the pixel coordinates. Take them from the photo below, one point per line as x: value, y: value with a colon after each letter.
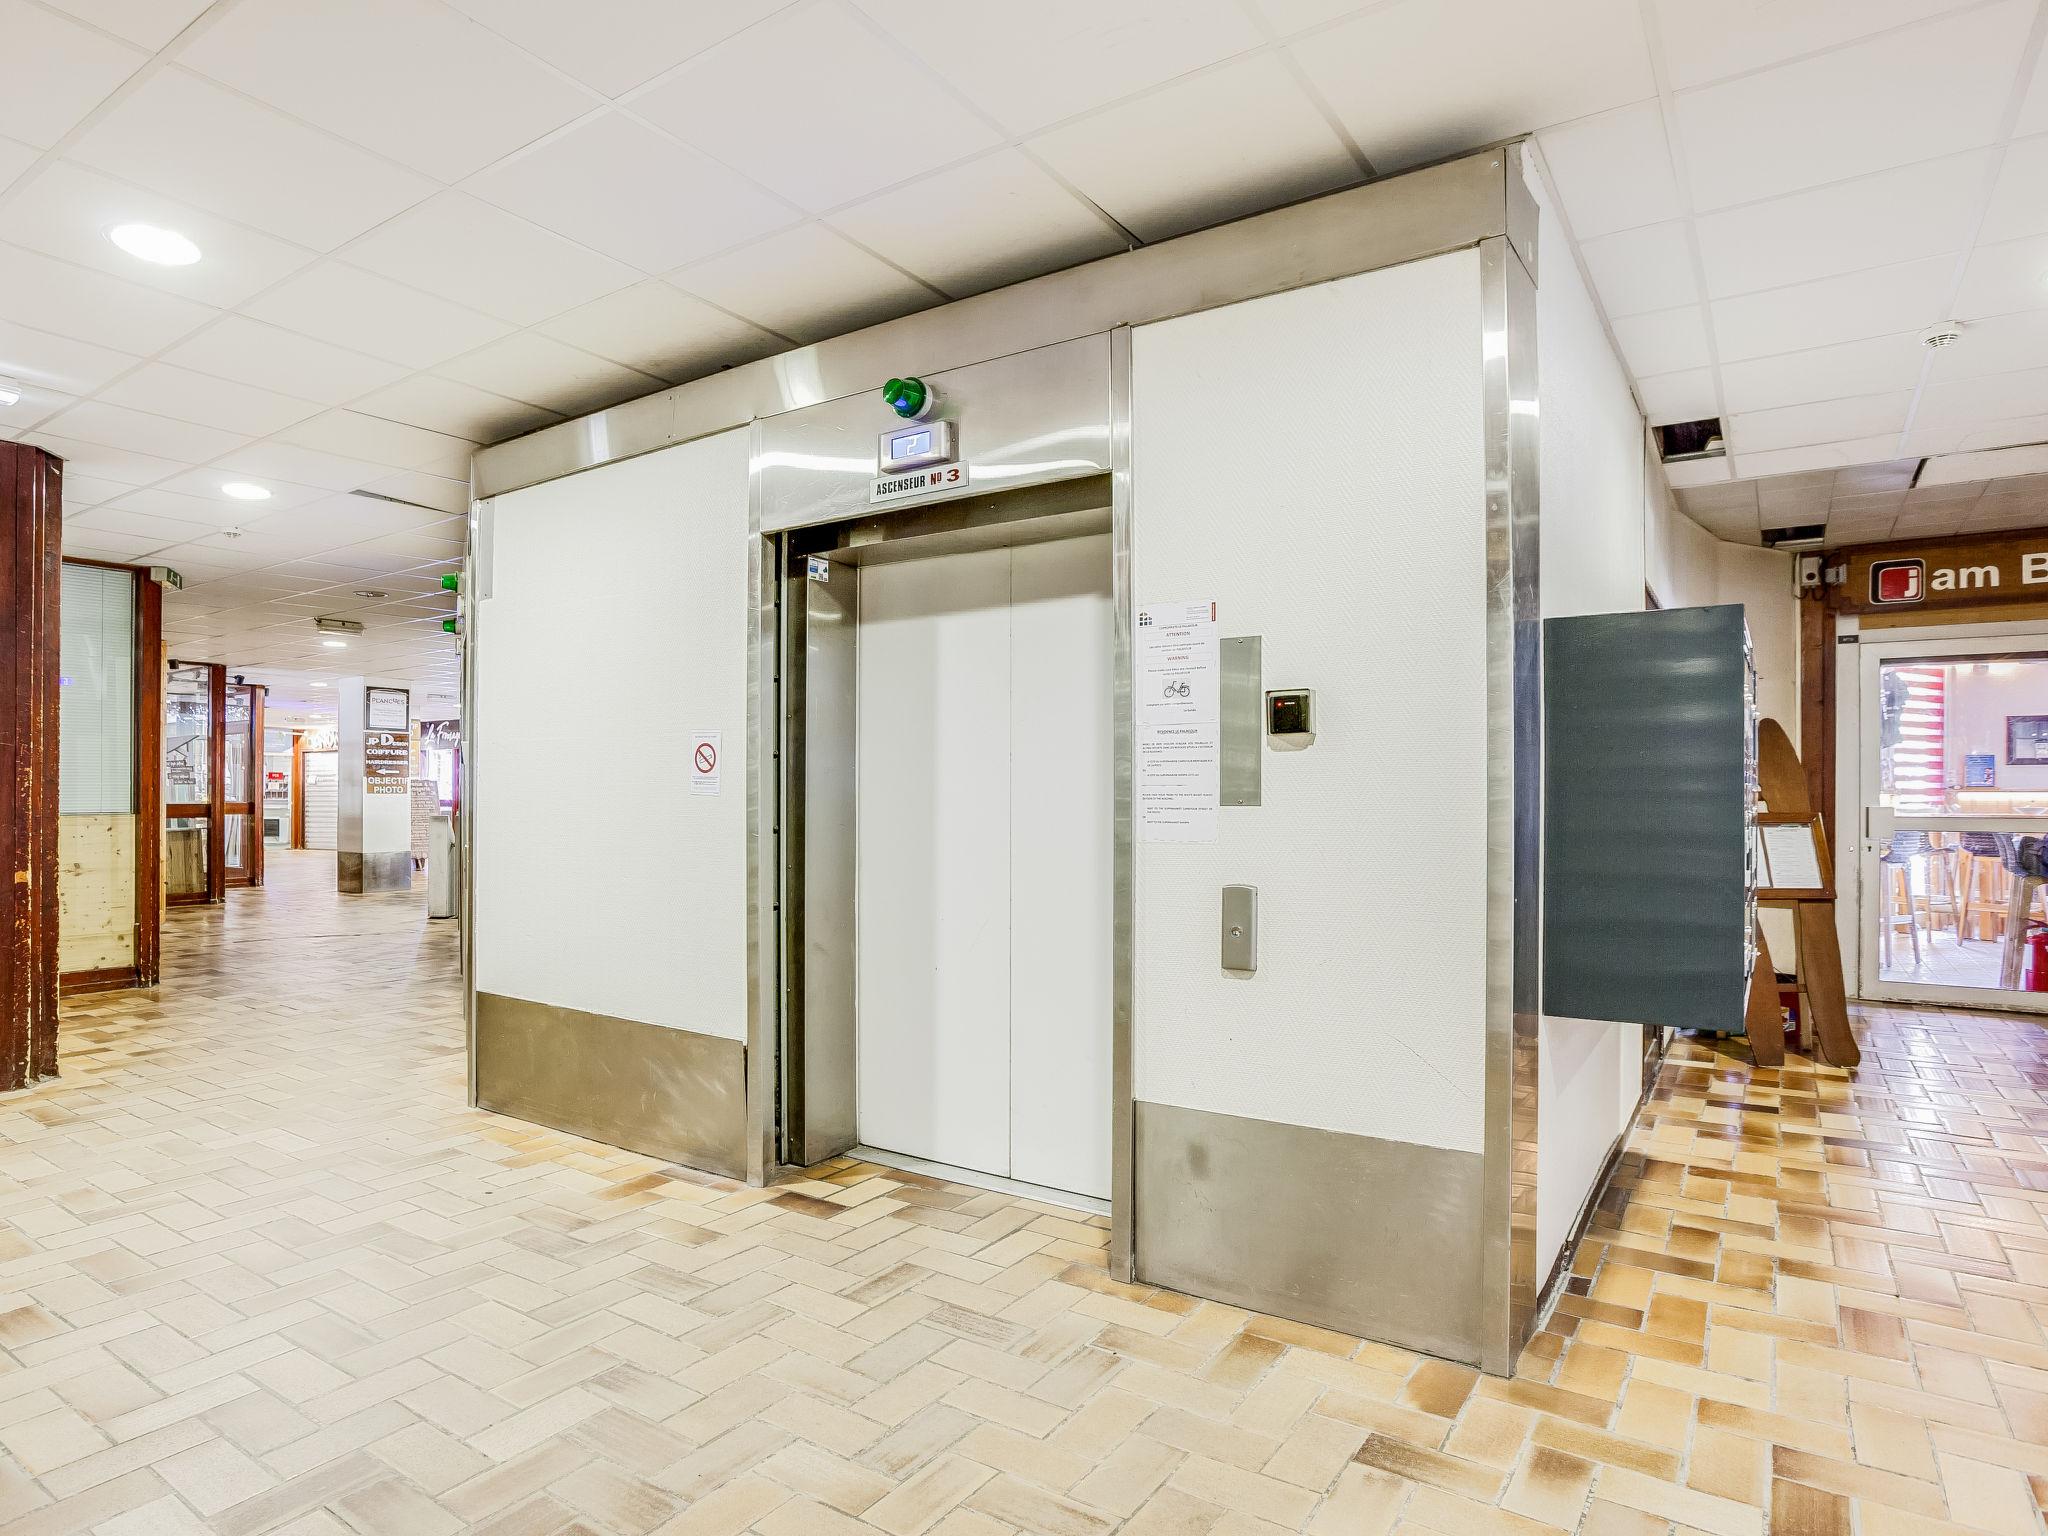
x: 1804, y: 536
x: 1682, y: 442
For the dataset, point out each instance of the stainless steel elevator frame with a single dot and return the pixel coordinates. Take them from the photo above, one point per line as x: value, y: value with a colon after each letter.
x: 1481, y: 201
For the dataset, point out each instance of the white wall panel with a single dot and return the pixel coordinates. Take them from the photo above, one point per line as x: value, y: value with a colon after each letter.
x: 932, y: 888
x: 1593, y: 561
x: 617, y: 626
x: 323, y: 786
x: 1314, y: 463
x: 1061, y: 810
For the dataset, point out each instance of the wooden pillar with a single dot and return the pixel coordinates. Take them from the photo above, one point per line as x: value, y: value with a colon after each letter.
x: 149, y: 778
x: 31, y: 552
x: 1817, y: 707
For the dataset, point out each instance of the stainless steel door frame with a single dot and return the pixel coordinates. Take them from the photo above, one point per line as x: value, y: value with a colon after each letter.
x: 807, y: 1113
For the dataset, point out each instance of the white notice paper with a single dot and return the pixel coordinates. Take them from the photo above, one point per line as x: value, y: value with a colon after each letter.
x: 706, y: 753
x: 1179, y: 739
x: 1790, y: 861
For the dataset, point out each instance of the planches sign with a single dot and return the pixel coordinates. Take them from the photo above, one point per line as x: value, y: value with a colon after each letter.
x: 1937, y: 574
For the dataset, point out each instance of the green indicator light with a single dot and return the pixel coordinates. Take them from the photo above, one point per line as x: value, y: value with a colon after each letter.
x: 908, y: 398
x: 447, y: 626
x: 451, y: 582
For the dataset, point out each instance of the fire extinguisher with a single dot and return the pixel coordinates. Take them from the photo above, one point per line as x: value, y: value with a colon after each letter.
x: 2035, y: 976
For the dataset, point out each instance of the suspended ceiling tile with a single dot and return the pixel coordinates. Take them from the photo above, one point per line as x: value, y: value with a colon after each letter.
x: 1210, y: 147
x: 146, y: 23
x: 82, y: 491
x: 93, y: 545
x: 1287, y: 17
x: 195, y: 496
x: 193, y: 140
x: 302, y: 466
x: 270, y: 357
x: 348, y: 307
x: 1873, y: 365
x: 420, y: 84
x: 2019, y: 198
x: 117, y: 426
x: 662, y: 331
x: 1064, y: 56
x: 1419, y: 79
x: 1866, y: 478
x: 1612, y: 170
x: 1857, y: 305
x: 15, y: 157
x: 37, y: 404
x: 1638, y: 270
x: 45, y: 294
x: 33, y: 356
x: 355, y: 435
x: 614, y: 45
x: 155, y: 532
x: 834, y: 137
x: 1731, y: 37
x: 2004, y: 279
x: 1991, y: 397
x: 66, y: 210
x: 1688, y: 395
x: 461, y: 410
x: 806, y: 283
x: 2033, y: 116
x: 972, y: 227
x: 1994, y: 344
x: 595, y: 183
x: 105, y: 463
x: 1689, y: 473
x: 1665, y: 341
x: 467, y: 251
x: 1821, y: 421
x: 168, y: 390
x: 54, y: 71
x: 1872, y: 221
x: 545, y: 372
x: 1921, y: 91
x: 2012, y: 432
x: 1863, y: 450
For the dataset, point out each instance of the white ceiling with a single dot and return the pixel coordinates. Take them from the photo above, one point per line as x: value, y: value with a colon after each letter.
x: 430, y: 224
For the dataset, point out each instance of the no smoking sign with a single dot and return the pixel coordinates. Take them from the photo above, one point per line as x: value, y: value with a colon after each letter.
x: 706, y: 752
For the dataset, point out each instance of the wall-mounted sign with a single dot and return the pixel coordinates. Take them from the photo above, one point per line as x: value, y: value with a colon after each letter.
x: 387, y: 762
x: 387, y: 709
x: 1974, y: 573
x: 1980, y: 770
x: 919, y: 482
x: 1178, y: 667
x: 707, y: 750
x: 440, y: 735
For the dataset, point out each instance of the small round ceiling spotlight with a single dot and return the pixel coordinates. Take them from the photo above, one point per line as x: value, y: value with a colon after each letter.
x: 1938, y: 336
x: 160, y: 247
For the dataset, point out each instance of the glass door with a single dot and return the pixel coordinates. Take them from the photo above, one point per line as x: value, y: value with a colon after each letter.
x: 194, y: 706
x: 278, y: 754
x: 241, y: 792
x: 1954, y: 859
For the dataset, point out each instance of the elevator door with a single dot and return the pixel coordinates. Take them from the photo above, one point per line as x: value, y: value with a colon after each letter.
x: 983, y: 885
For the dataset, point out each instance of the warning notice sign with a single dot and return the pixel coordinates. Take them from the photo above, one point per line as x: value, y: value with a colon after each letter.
x: 706, y: 750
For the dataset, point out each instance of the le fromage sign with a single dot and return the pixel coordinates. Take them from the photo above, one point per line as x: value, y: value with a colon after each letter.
x: 1971, y: 575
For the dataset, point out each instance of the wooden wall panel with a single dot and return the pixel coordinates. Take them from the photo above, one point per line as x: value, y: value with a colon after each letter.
x: 95, y: 893
x: 31, y: 499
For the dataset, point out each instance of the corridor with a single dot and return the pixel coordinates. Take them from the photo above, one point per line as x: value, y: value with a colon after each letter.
x: 262, y: 1271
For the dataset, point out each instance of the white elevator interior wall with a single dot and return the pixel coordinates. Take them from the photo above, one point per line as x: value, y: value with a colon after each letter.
x: 1314, y: 462
x: 617, y: 625
x: 983, y: 870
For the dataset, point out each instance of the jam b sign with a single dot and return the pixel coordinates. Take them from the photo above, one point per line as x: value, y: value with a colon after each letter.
x: 1898, y: 581
x: 1964, y: 573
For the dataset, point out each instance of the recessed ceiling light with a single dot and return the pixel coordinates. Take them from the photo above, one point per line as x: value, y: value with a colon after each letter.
x: 371, y: 592
x: 335, y: 645
x: 245, y: 490
x: 10, y: 392
x: 319, y: 685
x: 145, y: 242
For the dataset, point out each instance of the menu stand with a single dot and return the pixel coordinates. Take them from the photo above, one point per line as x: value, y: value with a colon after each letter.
x: 1797, y: 875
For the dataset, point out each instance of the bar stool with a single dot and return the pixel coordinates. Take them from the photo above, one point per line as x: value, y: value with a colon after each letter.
x: 1971, y: 874
x: 2022, y: 860
x: 1897, y: 864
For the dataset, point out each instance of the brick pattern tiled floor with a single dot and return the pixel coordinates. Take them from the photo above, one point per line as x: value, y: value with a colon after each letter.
x: 261, y: 1271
